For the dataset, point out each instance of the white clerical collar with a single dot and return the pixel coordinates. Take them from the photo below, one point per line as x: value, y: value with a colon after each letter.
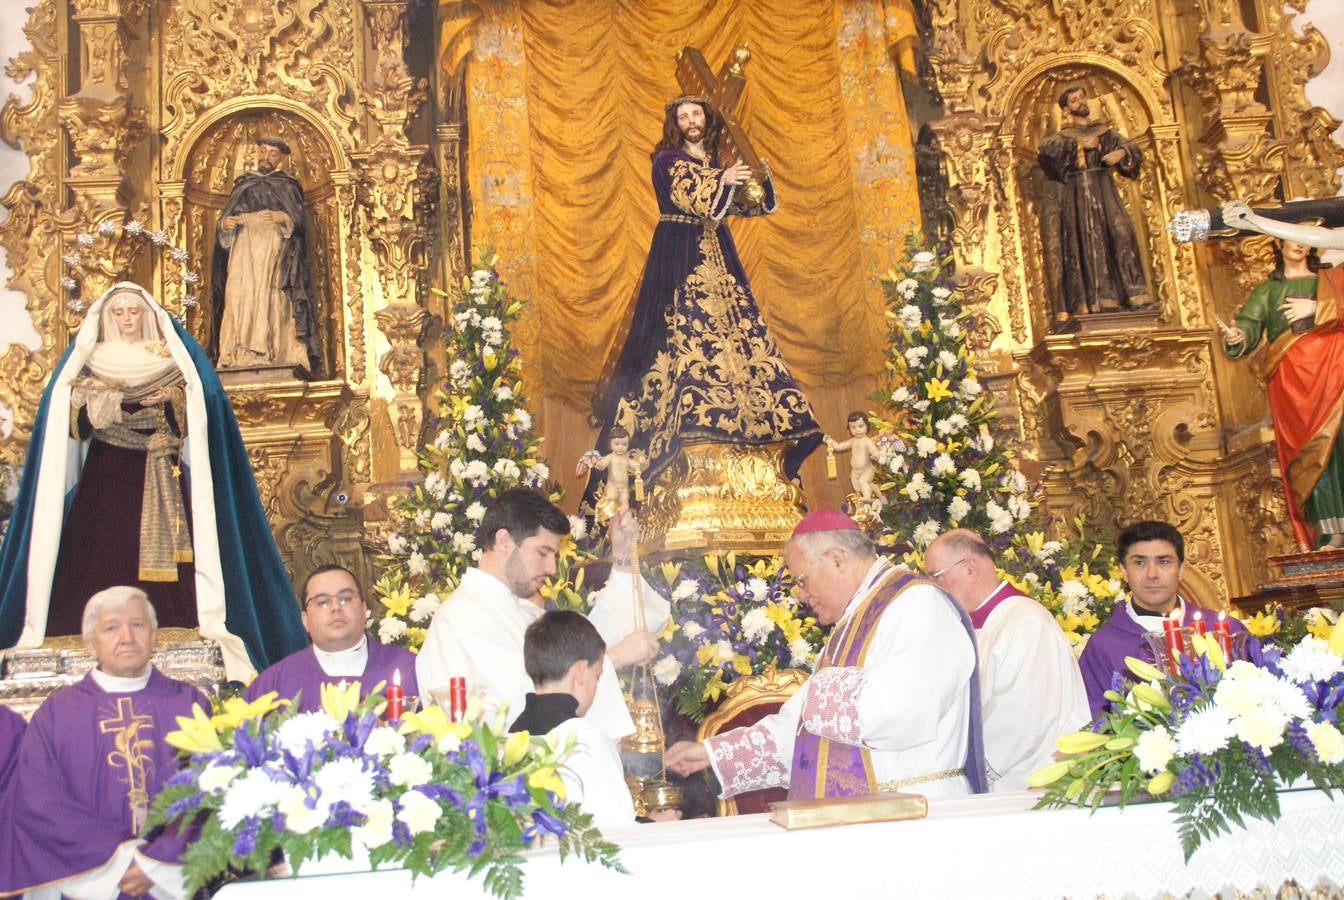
x: 990, y: 596
x: 1154, y: 623
x: 350, y: 661
x: 115, y: 684
x: 869, y: 579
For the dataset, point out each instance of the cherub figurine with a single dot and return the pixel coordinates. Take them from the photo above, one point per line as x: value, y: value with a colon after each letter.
x: 864, y: 452
x: 620, y: 465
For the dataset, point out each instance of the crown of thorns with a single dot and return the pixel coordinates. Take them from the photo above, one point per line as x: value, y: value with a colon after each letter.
x: 84, y: 257
x: 672, y: 104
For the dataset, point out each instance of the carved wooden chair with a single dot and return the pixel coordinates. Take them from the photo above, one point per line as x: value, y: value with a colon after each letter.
x: 747, y: 701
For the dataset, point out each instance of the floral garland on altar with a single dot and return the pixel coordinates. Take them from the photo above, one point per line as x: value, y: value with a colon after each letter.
x: 424, y: 794
x: 1220, y: 736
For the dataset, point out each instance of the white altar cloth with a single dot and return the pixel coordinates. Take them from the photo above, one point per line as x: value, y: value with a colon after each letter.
x: 992, y: 845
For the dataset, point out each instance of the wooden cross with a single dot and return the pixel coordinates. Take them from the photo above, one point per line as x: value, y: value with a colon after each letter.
x: 723, y: 92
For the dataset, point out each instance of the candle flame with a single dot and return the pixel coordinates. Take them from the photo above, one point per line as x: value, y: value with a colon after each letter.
x: 1198, y: 616
x: 1222, y: 617
x: 396, y: 677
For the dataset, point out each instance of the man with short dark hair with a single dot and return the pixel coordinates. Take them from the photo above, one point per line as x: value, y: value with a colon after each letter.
x: 90, y: 763
x: 563, y: 654
x: 1030, y: 689
x: 477, y: 632
x: 894, y: 702
x: 1152, y: 556
x: 334, y: 615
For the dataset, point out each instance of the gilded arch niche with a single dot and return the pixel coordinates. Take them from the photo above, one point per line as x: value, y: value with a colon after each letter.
x: 226, y: 148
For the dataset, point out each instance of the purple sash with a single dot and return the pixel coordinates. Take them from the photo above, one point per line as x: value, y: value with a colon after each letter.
x: 826, y: 768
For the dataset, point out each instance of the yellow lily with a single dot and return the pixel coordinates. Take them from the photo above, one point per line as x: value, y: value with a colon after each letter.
x: 741, y: 664
x: 1263, y: 624
x: 431, y: 720
x: 1146, y: 693
x: 341, y: 699
x: 1048, y: 774
x: 236, y: 710
x: 1161, y: 783
x: 1207, y: 647
x: 195, y: 734
x: 670, y: 571
x: 1080, y: 742
x: 398, y: 602
x: 515, y: 748
x: 1336, y: 642
x: 547, y: 780
x: 938, y: 388
x: 1143, y: 670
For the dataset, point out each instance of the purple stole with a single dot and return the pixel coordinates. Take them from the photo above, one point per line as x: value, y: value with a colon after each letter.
x: 981, y: 615
x: 822, y: 767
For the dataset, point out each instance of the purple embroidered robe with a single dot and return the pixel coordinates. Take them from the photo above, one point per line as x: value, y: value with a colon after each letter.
x: 299, y: 674
x: 1120, y: 636
x: 89, y: 765
x: 823, y: 767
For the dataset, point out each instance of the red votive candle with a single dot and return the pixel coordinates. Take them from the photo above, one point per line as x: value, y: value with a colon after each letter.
x: 1171, y: 632
x: 396, y: 698
x: 1198, y: 622
x: 1222, y: 630
x: 457, y: 698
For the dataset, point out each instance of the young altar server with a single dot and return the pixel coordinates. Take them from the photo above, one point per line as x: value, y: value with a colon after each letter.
x: 894, y: 703
x: 334, y: 615
x: 89, y: 765
x: 1030, y: 689
x: 563, y: 654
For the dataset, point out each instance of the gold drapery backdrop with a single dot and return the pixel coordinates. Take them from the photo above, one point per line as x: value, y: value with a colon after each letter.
x: 564, y: 104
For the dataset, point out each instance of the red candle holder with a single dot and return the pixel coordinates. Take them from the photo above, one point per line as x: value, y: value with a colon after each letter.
x: 457, y: 698
x: 396, y: 699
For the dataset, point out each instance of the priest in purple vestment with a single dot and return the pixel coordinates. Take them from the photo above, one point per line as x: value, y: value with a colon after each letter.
x: 1030, y: 689
x: 334, y: 615
x: 1152, y: 556
x: 90, y: 763
x: 894, y: 703
x: 11, y: 731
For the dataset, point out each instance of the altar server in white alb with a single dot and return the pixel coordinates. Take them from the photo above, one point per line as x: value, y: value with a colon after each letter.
x: 893, y: 704
x: 1031, y: 691
x: 477, y: 633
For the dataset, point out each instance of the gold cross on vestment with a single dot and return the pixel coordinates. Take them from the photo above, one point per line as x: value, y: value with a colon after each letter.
x: 131, y: 752
x: 723, y: 91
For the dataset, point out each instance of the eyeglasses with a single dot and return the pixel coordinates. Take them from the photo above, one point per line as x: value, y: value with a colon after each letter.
x: 945, y: 569
x: 326, y: 602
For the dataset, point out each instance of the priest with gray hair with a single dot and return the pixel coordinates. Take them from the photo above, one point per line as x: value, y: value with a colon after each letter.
x: 893, y: 704
x: 89, y: 765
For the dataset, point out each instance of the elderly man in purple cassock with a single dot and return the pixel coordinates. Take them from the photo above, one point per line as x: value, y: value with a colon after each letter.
x: 1152, y: 556
x: 89, y: 765
x: 334, y: 615
x: 894, y: 702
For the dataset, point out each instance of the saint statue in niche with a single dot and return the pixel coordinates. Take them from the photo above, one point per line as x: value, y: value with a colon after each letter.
x: 261, y: 284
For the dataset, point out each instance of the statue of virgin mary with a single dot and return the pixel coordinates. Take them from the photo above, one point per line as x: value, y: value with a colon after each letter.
x: 136, y: 474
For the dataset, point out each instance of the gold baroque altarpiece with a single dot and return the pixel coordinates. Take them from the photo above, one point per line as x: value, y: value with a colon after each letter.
x: 147, y: 109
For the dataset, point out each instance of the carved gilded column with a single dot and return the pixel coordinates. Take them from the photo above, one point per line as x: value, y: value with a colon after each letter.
x: 394, y: 180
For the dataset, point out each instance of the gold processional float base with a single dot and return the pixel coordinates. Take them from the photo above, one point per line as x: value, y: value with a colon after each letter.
x: 720, y: 497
